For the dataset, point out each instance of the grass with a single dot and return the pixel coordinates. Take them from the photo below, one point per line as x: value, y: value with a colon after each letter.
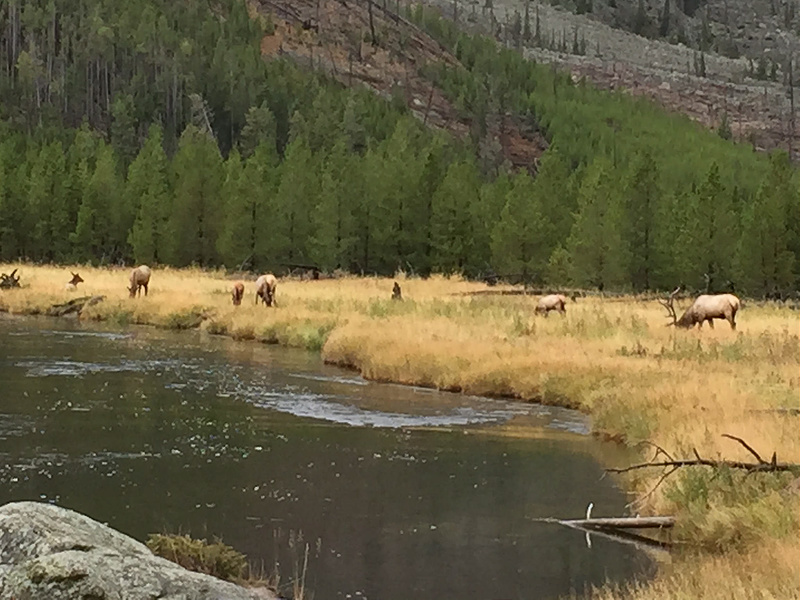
x: 610, y: 357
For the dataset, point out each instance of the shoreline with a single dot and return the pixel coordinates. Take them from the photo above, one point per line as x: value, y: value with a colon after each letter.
x: 615, y: 361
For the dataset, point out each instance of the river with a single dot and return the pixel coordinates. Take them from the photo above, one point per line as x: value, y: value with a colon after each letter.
x: 399, y: 492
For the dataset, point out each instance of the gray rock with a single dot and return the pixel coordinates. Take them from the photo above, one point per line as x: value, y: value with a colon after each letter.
x: 52, y: 553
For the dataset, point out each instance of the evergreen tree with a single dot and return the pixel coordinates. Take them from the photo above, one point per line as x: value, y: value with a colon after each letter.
x: 764, y: 259
x: 518, y: 247
x: 196, y: 213
x: 708, y: 240
x: 452, y: 230
x: 94, y: 237
x: 290, y: 228
x: 333, y: 241
x: 597, y: 245
x: 642, y: 196
x: 124, y: 139
x: 147, y: 190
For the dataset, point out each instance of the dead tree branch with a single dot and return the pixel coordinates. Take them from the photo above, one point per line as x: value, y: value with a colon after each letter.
x: 762, y: 466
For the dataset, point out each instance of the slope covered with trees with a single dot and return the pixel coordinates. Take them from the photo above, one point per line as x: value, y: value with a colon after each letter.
x: 168, y: 139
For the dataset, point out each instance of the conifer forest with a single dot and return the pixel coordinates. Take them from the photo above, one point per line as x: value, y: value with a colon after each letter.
x: 155, y: 132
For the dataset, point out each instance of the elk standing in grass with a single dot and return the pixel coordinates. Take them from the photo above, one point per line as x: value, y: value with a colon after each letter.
x: 552, y: 302
x: 140, y: 277
x: 72, y: 285
x: 704, y: 308
x: 237, y: 293
x: 265, y: 289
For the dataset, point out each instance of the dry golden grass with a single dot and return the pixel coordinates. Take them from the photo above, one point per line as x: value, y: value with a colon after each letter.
x: 612, y: 358
x: 770, y: 572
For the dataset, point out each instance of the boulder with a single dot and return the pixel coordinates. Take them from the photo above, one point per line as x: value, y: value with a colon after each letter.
x: 53, y: 553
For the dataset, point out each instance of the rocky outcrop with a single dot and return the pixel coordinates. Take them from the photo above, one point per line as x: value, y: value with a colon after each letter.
x: 52, y: 553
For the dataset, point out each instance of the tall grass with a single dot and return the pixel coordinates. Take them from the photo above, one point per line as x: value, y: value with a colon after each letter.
x: 614, y: 359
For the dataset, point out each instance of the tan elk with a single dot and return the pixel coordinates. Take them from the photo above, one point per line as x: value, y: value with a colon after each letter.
x: 72, y: 285
x: 237, y: 293
x: 265, y: 289
x: 140, y: 278
x: 552, y: 302
x: 704, y: 308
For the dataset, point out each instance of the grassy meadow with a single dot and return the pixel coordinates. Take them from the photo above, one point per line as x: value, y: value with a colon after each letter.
x: 610, y: 357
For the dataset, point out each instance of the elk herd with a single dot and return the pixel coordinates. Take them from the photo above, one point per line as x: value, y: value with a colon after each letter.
x: 705, y: 308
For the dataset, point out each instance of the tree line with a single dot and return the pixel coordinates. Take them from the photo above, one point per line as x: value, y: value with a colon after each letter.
x: 171, y: 141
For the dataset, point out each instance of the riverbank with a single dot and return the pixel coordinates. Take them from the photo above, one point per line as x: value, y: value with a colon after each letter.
x: 612, y: 358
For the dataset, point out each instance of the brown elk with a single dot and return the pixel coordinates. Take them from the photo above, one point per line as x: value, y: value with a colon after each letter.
x: 73, y: 283
x: 552, y: 302
x: 140, y: 278
x: 265, y: 289
x: 704, y: 308
x: 237, y: 293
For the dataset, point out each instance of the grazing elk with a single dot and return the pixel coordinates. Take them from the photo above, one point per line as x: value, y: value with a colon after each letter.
x: 704, y: 308
x: 265, y: 289
x: 237, y: 293
x: 72, y: 285
x: 140, y: 277
x: 552, y: 302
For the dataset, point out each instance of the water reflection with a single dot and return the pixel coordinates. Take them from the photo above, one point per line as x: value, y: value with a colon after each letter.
x: 154, y: 431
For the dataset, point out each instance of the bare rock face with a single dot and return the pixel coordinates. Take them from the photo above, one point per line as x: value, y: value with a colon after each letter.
x: 52, y: 553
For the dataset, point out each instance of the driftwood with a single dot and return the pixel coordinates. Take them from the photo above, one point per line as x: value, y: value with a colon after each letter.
x: 8, y: 282
x: 616, y: 522
x: 73, y: 306
x: 615, y: 528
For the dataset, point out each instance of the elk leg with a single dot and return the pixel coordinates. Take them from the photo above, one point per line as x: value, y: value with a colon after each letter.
x: 711, y: 323
x: 145, y: 289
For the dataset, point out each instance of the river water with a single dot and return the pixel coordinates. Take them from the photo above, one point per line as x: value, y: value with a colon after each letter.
x: 398, y: 492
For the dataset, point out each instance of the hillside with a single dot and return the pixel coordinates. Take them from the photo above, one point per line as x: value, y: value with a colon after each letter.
x: 336, y: 37
x: 718, y: 60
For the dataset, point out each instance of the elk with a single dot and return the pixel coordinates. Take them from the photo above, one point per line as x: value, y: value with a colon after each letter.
x: 139, y: 279
x: 704, y: 308
x: 237, y: 293
x: 72, y: 284
x: 265, y: 289
x: 552, y: 302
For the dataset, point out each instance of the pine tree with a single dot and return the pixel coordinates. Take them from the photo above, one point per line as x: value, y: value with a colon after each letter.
x: 598, y: 250
x: 299, y: 184
x: 94, y: 236
x: 517, y: 241
x: 765, y: 261
x: 123, y: 130
x: 452, y: 231
x: 148, y: 192
x: 195, y: 215
x: 260, y: 128
x: 333, y: 241
x: 642, y: 196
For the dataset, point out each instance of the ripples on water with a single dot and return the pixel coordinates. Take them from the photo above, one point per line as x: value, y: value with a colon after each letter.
x: 153, y: 431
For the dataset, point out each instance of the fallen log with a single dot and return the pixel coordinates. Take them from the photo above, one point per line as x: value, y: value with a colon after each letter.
x: 74, y: 306
x: 602, y: 523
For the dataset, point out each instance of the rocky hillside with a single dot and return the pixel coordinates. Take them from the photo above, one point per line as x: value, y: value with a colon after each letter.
x: 336, y: 36
x: 724, y: 64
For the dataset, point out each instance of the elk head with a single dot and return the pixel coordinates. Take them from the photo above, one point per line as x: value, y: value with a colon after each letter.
x: 669, y: 305
x: 76, y: 279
